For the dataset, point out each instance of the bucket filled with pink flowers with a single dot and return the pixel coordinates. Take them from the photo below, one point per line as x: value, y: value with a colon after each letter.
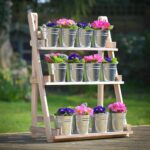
x: 68, y: 32
x: 83, y: 114
x: 93, y: 67
x: 118, y: 111
x: 101, y: 28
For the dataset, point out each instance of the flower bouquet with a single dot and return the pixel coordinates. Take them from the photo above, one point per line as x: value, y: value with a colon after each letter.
x: 109, y: 68
x: 118, y: 112
x: 83, y: 114
x: 52, y: 34
x: 100, y: 119
x: 64, y: 117
x: 57, y: 66
x: 101, y: 28
x: 93, y: 66
x: 84, y: 36
x: 76, y: 67
x: 68, y: 32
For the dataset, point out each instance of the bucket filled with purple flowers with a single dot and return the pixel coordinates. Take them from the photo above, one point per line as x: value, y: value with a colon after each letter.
x: 63, y: 120
x: 109, y: 68
x: 84, y: 36
x: 52, y: 34
x: 100, y: 119
x: 76, y: 67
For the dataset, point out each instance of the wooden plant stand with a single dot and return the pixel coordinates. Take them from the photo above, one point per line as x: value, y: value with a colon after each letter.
x: 39, y: 82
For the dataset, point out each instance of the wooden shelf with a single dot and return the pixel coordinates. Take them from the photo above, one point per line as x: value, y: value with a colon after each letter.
x: 84, y: 83
x: 78, y: 49
x: 76, y: 137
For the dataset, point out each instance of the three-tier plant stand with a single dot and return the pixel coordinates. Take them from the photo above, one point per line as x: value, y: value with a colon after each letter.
x: 39, y: 82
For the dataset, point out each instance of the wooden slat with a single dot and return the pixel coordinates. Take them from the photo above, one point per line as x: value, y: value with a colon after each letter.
x: 41, y: 118
x: 78, y: 48
x: 76, y: 137
x: 41, y: 131
x: 85, y: 83
x: 47, y: 81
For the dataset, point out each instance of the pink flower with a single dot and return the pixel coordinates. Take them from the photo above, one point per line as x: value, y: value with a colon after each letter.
x: 117, y: 107
x: 65, y: 22
x: 83, y: 110
x: 93, y: 58
x: 88, y: 58
x: 100, y: 24
x: 48, y: 58
x: 98, y: 58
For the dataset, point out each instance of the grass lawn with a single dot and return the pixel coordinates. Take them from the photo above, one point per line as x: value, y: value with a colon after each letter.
x: 16, y: 116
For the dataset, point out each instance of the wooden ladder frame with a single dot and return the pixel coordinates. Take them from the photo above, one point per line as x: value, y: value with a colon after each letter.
x: 38, y: 87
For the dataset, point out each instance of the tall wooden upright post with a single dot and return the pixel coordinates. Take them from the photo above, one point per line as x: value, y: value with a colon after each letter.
x: 33, y: 24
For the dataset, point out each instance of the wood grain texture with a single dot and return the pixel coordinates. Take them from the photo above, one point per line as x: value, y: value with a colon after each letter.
x: 23, y: 141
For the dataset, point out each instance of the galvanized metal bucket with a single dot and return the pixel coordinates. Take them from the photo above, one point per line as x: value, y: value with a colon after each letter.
x: 68, y: 37
x: 118, y: 120
x: 76, y: 71
x: 52, y: 36
x: 82, y: 123
x: 109, y: 71
x: 59, y: 72
x: 65, y: 123
x: 84, y: 38
x: 101, y: 121
x: 93, y: 71
x: 100, y: 37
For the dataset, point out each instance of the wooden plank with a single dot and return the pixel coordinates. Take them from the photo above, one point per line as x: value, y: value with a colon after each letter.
x: 78, y: 49
x: 33, y: 19
x: 41, y: 131
x: 92, y: 136
x: 85, y: 83
x: 100, y: 95
x: 41, y: 118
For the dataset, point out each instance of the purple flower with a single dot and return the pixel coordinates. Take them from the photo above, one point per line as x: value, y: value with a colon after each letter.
x: 61, y: 111
x: 74, y: 56
x: 69, y: 111
x: 82, y: 24
x: 51, y: 24
x: 65, y: 111
x: 99, y: 109
x: 108, y: 59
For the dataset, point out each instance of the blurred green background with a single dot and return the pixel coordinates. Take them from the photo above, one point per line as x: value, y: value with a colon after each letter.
x: 131, y: 31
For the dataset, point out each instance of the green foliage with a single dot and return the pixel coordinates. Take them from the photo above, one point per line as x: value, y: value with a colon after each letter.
x: 14, y: 83
x: 134, y: 55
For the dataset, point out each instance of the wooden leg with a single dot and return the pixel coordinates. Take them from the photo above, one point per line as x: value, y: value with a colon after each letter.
x: 34, y: 106
x: 118, y: 93
x: 100, y: 100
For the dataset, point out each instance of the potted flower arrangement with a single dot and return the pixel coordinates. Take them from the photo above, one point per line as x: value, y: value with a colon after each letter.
x: 76, y: 67
x: 84, y: 36
x: 100, y: 119
x: 52, y: 34
x: 57, y: 66
x: 109, y: 68
x: 118, y: 112
x: 93, y: 66
x: 82, y: 114
x: 63, y: 120
x: 101, y: 28
x: 68, y: 32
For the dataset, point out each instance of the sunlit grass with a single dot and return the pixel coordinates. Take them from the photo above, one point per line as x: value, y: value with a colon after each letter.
x: 16, y: 116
